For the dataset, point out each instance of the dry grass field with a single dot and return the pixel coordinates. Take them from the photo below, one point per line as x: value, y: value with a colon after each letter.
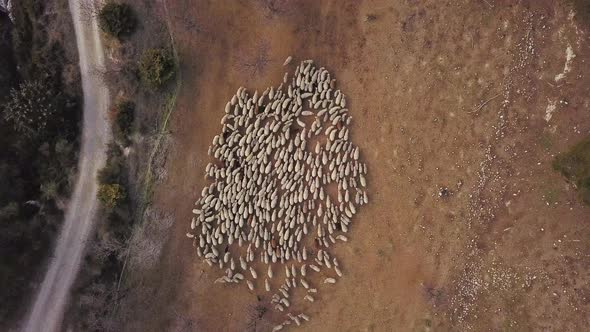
x: 475, y: 96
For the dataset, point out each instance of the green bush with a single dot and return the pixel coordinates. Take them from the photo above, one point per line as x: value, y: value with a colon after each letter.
x: 111, y: 194
x: 575, y: 166
x: 117, y: 20
x: 156, y: 67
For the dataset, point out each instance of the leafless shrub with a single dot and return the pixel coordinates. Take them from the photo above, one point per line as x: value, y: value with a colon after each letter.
x: 145, y: 251
x: 190, y: 24
x: 97, y: 302
x: 182, y: 323
x: 119, y: 72
x: 309, y: 25
x: 105, y: 247
x: 149, y: 238
x: 257, y: 316
x: 160, y: 170
x: 274, y: 8
x: 103, y: 74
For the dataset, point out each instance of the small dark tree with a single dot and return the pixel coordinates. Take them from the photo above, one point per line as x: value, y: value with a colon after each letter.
x: 125, y: 116
x: 30, y: 108
x: 122, y: 116
x: 117, y: 20
x: 156, y: 67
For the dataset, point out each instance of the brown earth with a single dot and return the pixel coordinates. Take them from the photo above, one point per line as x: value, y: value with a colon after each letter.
x: 443, y: 94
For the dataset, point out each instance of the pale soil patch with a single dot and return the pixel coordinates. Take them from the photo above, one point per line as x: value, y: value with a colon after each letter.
x: 567, y: 67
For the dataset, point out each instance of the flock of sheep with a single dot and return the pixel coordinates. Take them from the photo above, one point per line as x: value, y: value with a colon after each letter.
x: 286, y: 183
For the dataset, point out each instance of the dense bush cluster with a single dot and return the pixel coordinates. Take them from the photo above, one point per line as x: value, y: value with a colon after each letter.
x: 117, y: 20
x: 156, y: 67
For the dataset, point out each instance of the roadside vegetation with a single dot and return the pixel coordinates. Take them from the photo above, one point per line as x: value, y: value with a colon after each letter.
x: 143, y: 79
x: 40, y: 110
x: 95, y: 290
x: 94, y: 295
x: 574, y: 165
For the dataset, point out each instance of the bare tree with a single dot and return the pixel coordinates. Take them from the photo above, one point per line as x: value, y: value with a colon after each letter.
x: 256, y: 63
x: 183, y: 323
x: 112, y: 74
x: 274, y: 8
x: 105, y: 247
x: 310, y: 25
x: 150, y: 237
x: 257, y: 316
x: 119, y: 71
x: 190, y: 24
x: 97, y: 304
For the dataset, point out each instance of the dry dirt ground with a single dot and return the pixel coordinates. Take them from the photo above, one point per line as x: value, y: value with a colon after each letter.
x: 476, y: 96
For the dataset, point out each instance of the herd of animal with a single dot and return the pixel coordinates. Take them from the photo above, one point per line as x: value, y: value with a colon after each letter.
x: 286, y: 182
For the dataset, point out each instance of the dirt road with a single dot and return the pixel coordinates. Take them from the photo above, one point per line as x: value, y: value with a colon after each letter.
x: 47, y: 311
x: 473, y: 96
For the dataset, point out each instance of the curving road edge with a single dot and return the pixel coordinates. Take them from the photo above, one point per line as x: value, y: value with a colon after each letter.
x: 48, y: 309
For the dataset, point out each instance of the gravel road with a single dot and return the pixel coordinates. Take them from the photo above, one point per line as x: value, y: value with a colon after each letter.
x: 48, y: 308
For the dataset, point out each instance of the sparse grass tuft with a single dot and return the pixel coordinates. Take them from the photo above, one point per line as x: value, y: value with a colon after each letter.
x: 551, y: 196
x: 575, y: 166
x: 546, y: 141
x: 582, y: 9
x: 370, y: 17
